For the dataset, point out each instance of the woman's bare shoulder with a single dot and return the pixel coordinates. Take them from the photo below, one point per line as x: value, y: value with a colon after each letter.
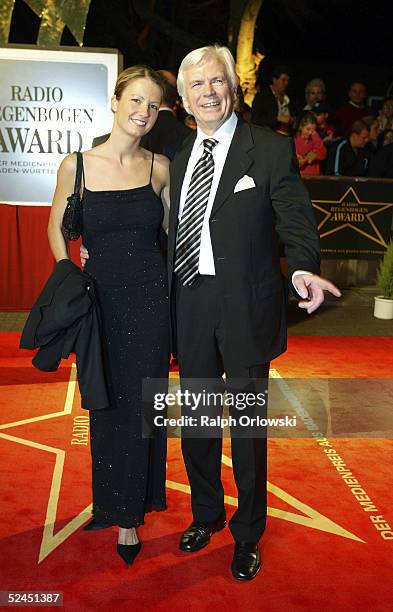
x: 161, y: 167
x: 68, y: 165
x: 162, y: 160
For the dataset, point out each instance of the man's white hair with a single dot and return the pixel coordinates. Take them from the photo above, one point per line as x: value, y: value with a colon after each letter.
x: 203, y: 54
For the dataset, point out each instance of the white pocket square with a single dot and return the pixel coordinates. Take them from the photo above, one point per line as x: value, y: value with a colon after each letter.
x: 246, y: 182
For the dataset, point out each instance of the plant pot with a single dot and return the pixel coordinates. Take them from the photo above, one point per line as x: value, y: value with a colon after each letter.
x: 383, y: 308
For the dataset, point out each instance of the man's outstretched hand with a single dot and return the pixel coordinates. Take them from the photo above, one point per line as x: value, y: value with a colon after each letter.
x: 311, y: 288
x: 84, y: 255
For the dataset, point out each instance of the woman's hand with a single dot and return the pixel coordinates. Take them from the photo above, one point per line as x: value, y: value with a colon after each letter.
x: 84, y: 255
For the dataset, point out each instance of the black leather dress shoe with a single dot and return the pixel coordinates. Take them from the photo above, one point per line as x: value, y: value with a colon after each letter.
x: 246, y: 561
x: 198, y: 534
x: 96, y: 524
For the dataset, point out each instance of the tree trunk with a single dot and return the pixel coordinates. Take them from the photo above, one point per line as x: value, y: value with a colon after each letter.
x: 247, y: 62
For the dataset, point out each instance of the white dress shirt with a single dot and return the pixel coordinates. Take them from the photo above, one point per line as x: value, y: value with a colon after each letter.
x: 224, y: 137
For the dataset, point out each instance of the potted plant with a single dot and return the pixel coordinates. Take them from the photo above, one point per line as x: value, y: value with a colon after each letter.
x: 383, y: 306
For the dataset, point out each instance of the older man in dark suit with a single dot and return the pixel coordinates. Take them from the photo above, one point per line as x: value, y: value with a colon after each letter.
x: 235, y: 192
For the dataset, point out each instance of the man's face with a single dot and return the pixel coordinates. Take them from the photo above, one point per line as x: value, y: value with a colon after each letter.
x: 208, y: 95
x: 359, y: 141
x: 280, y: 85
x: 315, y: 94
x: 358, y: 93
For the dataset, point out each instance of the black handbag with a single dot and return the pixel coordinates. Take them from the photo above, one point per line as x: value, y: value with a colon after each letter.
x: 72, y: 224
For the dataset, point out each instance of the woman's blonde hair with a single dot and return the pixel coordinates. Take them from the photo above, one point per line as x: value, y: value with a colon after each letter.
x: 137, y: 72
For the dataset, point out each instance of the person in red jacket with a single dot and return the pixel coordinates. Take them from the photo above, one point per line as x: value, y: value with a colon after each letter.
x: 310, y: 149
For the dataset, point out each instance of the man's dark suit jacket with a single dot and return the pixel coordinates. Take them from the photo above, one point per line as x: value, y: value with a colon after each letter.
x: 265, y: 109
x: 65, y: 319
x: 245, y: 228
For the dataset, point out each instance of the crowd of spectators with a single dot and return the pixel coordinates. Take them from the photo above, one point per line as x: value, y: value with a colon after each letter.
x: 347, y: 141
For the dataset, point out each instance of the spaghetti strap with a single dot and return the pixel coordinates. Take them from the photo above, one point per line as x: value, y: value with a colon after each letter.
x: 151, y: 168
x: 83, y: 174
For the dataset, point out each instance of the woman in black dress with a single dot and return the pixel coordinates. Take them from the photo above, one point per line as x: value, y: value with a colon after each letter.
x: 124, y: 199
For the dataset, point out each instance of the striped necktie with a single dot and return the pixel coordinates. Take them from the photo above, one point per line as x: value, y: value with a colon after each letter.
x: 188, y: 244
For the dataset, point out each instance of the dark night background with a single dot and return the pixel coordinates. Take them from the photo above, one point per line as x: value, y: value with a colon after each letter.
x: 333, y: 39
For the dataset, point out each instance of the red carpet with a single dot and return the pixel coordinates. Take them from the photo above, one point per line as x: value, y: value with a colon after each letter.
x: 321, y: 549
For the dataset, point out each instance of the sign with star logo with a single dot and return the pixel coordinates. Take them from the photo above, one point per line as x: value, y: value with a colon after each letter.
x: 354, y: 216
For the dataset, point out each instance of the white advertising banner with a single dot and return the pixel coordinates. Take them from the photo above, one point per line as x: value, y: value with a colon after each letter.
x: 52, y: 102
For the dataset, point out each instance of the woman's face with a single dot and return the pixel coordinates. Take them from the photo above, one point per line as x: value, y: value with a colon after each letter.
x: 388, y: 108
x: 307, y: 130
x: 137, y: 109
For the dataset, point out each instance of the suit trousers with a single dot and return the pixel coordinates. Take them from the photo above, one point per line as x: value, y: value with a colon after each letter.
x: 205, y: 352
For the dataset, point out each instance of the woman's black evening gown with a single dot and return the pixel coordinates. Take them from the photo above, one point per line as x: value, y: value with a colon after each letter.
x: 121, y: 230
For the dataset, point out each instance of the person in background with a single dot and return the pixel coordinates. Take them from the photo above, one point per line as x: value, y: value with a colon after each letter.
x: 349, y: 156
x: 315, y: 93
x: 385, y: 116
x: 241, y: 108
x: 373, y: 126
x: 384, y: 138
x: 271, y: 106
x: 168, y: 133
x: 310, y: 150
x: 190, y: 122
x: 326, y: 130
x: 381, y: 164
x: 355, y: 108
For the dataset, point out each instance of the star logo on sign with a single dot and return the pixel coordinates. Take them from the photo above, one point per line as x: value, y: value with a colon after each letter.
x: 351, y: 212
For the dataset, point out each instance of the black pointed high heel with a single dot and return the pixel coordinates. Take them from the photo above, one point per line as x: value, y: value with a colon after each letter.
x: 128, y: 552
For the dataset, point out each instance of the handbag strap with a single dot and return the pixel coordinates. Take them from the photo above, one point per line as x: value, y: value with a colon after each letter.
x: 79, y: 173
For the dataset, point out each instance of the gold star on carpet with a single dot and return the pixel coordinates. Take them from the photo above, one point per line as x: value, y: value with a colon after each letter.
x: 308, y: 516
